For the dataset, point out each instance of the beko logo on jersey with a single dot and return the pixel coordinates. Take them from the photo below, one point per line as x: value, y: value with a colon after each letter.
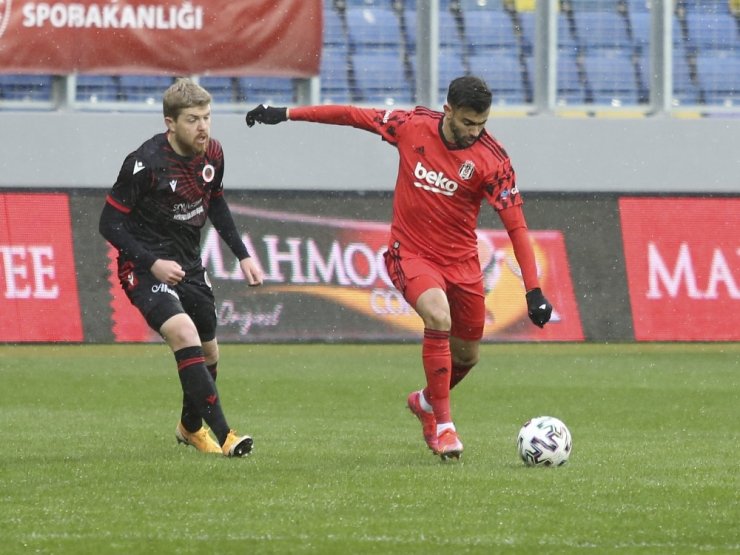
x: 433, y: 181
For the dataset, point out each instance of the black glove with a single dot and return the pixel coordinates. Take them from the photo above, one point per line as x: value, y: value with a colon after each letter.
x: 266, y: 114
x: 538, y: 308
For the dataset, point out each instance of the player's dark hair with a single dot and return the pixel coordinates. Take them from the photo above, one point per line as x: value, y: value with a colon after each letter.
x: 183, y: 93
x: 469, y: 92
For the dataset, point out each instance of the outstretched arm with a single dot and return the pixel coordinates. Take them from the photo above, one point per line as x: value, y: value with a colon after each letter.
x: 382, y: 122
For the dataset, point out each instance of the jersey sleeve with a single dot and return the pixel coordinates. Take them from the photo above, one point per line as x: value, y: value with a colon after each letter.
x: 133, y: 180
x: 385, y: 123
x: 500, y: 187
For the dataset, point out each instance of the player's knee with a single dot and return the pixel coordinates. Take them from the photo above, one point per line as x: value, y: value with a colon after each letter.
x: 180, y: 331
x: 210, y: 351
x: 438, y: 320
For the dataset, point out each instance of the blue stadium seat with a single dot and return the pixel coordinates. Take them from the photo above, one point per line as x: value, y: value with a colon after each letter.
x: 334, y: 34
x: 638, y: 6
x: 380, y: 77
x: 719, y: 77
x: 566, y: 42
x: 503, y: 73
x: 489, y: 29
x: 592, y: 5
x: 373, y: 28
x: 97, y: 88
x: 334, y: 73
x: 450, y: 65
x: 144, y: 88
x: 611, y: 77
x: 487, y: 5
x: 570, y: 89
x: 33, y: 88
x: 270, y: 90
x: 449, y: 37
x: 712, y: 31
x: 385, y: 4
x: 706, y: 6
x: 685, y: 90
x: 601, y: 30
x: 221, y: 88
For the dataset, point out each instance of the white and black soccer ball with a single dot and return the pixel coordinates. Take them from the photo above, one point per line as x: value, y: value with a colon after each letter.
x: 544, y: 441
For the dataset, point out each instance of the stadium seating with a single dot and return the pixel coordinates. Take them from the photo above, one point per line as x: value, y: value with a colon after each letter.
x: 380, y: 77
x: 144, y: 88
x: 503, y: 73
x: 599, y: 30
x: 269, y: 90
x: 719, y: 77
x: 334, y: 72
x: 221, y: 88
x: 373, y: 28
x: 25, y: 87
x: 487, y: 29
x: 334, y: 34
x: 97, y: 88
x: 449, y: 36
x: 712, y: 31
x: 569, y: 87
x: 610, y: 77
x: 685, y: 90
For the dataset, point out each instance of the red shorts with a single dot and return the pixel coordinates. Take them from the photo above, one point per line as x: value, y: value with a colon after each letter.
x: 462, y: 282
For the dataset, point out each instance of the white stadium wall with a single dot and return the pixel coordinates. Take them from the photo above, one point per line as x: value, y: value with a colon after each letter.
x: 550, y: 154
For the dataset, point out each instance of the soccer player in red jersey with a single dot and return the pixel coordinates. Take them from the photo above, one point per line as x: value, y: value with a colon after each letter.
x: 448, y: 165
x: 165, y: 191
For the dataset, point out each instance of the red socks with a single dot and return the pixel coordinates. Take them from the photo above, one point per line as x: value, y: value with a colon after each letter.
x: 435, y: 354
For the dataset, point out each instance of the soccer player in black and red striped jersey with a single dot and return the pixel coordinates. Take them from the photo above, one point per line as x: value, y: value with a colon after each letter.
x: 448, y: 165
x: 153, y: 215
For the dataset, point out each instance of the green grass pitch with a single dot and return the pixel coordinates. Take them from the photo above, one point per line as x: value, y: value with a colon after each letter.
x: 89, y: 462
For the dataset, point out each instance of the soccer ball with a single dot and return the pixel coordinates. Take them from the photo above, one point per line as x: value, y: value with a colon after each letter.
x: 544, y: 441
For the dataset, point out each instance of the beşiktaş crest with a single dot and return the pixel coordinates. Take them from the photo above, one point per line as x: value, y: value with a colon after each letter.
x: 466, y: 170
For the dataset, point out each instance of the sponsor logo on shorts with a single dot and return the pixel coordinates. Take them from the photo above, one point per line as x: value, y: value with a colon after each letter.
x: 164, y: 288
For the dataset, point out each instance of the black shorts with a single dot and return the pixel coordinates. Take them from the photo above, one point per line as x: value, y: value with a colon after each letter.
x: 158, y: 302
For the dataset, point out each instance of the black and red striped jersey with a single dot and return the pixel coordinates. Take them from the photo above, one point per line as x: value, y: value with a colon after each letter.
x: 167, y: 197
x: 439, y: 188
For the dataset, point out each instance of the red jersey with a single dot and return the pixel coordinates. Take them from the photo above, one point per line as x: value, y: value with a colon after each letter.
x: 439, y: 188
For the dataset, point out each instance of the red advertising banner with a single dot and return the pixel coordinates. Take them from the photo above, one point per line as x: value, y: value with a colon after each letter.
x: 325, y: 280
x: 214, y: 37
x: 38, y: 286
x: 683, y: 267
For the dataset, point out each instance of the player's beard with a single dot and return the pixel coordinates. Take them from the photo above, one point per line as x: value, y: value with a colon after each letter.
x: 462, y: 139
x: 200, y: 144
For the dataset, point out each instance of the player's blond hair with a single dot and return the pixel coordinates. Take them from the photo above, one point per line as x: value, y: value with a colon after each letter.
x: 183, y: 93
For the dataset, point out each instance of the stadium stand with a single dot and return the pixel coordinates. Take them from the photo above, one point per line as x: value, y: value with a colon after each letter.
x: 380, y: 76
x: 268, y: 90
x: 97, y: 88
x: 719, y: 78
x: 144, y: 88
x: 610, y: 78
x: 373, y: 28
x: 335, y: 83
x: 28, y: 88
x: 503, y: 73
x: 475, y: 35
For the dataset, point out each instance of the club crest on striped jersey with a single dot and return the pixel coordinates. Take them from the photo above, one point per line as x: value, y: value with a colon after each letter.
x: 466, y: 170
x: 208, y: 173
